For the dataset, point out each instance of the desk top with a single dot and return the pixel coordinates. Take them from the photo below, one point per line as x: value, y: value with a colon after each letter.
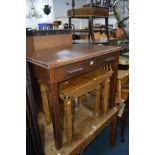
x: 55, y: 57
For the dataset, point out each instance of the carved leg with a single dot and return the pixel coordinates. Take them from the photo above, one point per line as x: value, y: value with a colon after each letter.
x: 113, y: 131
x: 106, y: 95
x: 45, y: 103
x: 68, y: 117
x: 98, y: 99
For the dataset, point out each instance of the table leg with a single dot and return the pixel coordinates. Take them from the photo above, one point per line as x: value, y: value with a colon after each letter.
x: 113, y: 84
x: 55, y: 108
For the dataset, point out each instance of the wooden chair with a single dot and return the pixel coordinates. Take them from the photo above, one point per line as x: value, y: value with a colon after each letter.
x: 122, y: 86
x: 97, y: 9
x: 122, y: 98
x: 80, y: 85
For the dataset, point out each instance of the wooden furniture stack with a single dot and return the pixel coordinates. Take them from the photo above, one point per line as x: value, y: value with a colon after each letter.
x: 97, y: 9
x: 53, y: 60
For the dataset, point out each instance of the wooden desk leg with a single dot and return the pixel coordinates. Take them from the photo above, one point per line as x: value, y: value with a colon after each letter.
x: 113, y: 83
x: 68, y: 117
x: 113, y: 131
x: 55, y: 108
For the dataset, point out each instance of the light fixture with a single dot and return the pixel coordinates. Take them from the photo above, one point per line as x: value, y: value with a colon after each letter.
x: 32, y: 12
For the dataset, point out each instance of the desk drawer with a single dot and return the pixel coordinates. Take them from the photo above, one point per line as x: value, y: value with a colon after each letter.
x: 68, y: 71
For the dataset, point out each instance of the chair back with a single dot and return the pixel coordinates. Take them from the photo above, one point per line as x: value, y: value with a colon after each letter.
x: 95, y: 3
x: 101, y: 3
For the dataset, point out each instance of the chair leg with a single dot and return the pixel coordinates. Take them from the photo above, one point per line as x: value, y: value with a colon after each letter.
x: 91, y: 32
x: 68, y: 117
x: 106, y: 25
x: 45, y: 103
x: 70, y: 23
x: 113, y: 131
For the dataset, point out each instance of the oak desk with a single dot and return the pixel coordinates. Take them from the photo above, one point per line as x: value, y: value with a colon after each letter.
x: 54, y: 65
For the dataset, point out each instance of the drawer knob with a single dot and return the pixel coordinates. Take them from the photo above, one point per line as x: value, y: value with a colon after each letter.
x: 92, y: 62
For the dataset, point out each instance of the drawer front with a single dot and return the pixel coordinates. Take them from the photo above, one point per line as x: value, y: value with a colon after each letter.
x: 71, y: 70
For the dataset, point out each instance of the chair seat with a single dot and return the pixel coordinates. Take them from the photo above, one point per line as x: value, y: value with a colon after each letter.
x: 87, y: 11
x: 83, y: 83
x: 122, y: 86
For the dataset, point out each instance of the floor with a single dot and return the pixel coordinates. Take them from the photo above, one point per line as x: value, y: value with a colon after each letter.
x: 100, y: 145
